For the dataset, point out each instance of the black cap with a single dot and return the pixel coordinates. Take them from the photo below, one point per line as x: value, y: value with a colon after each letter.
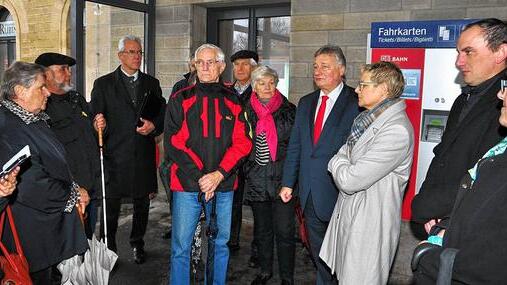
x: 245, y: 54
x: 51, y: 58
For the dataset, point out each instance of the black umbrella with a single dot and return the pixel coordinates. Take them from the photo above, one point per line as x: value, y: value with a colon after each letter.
x: 211, y: 233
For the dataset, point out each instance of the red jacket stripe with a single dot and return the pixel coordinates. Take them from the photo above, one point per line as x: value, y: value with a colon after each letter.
x: 241, y: 144
x: 218, y: 119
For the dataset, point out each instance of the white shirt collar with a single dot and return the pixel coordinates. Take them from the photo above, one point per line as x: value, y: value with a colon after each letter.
x: 136, y: 74
x: 333, y: 95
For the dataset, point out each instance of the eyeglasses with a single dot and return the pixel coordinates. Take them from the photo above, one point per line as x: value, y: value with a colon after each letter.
x: 133, y: 52
x: 201, y: 63
x: 363, y: 84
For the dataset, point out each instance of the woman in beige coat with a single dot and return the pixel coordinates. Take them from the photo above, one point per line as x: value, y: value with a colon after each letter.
x: 371, y: 171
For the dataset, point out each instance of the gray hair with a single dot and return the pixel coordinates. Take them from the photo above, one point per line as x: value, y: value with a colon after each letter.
x: 220, y: 56
x: 253, y: 62
x: 494, y: 31
x: 121, y: 42
x: 19, y: 73
x: 388, y: 73
x: 263, y: 71
x: 332, y: 50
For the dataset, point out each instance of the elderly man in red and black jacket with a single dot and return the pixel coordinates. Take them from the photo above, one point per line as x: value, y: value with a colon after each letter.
x: 206, y: 138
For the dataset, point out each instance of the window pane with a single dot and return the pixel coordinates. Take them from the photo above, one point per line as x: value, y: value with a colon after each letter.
x: 4, y: 60
x: 103, y: 26
x: 232, y: 36
x: 273, y: 47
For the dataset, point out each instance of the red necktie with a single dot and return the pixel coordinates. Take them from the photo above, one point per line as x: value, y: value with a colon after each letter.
x: 317, y: 128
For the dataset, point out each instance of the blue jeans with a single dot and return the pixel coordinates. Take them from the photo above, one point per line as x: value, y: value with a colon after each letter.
x: 185, y: 215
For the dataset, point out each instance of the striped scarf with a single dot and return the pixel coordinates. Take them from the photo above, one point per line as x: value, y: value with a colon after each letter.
x: 366, y: 118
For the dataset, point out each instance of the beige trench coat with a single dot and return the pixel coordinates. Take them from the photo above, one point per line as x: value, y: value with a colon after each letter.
x: 363, y: 233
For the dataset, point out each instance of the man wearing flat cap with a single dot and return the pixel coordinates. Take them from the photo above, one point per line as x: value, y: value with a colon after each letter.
x: 243, y: 63
x: 72, y: 123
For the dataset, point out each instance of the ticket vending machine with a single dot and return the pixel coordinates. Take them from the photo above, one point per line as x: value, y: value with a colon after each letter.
x: 425, y: 51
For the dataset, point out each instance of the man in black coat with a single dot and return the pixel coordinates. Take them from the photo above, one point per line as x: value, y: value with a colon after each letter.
x: 72, y: 123
x: 129, y: 139
x: 243, y: 63
x: 472, y: 127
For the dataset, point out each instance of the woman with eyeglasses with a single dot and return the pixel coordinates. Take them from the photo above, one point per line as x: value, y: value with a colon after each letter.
x: 371, y: 171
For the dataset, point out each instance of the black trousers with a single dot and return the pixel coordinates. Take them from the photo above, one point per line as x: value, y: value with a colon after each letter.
x: 316, y: 232
x: 48, y: 276
x: 274, y: 220
x: 139, y: 221
x: 237, y: 210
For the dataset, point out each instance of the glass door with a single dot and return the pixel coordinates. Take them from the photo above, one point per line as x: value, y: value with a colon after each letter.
x: 262, y: 29
x: 233, y: 36
x: 273, y: 47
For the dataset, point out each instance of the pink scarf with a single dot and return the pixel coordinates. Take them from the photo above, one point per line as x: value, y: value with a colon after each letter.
x: 265, y: 122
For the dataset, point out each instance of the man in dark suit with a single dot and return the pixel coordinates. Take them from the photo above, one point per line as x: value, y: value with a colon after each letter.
x: 72, y: 123
x: 129, y: 139
x: 323, y: 122
x: 472, y: 127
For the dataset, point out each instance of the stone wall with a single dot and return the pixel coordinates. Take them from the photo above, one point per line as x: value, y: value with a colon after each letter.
x: 41, y: 26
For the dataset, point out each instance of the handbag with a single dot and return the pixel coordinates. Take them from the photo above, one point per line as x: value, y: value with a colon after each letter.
x: 13, y: 264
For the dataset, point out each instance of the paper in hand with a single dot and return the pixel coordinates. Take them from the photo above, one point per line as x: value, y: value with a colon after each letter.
x: 16, y: 160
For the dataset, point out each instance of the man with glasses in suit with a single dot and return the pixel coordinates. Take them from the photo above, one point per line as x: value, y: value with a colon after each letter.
x: 129, y: 139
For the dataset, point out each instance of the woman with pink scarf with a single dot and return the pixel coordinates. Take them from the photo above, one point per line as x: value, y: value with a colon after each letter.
x: 271, y: 117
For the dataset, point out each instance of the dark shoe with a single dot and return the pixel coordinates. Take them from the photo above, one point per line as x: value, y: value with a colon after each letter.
x: 233, y: 247
x: 285, y: 282
x: 138, y: 253
x: 261, y: 279
x: 253, y: 262
x: 167, y: 235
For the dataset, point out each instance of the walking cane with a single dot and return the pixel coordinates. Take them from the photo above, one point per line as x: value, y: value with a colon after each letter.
x: 101, y: 148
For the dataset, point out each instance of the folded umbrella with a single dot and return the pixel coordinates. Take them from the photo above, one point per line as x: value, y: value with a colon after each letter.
x: 98, y: 261
x: 303, y: 232
x: 211, y: 233
x: 73, y: 271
